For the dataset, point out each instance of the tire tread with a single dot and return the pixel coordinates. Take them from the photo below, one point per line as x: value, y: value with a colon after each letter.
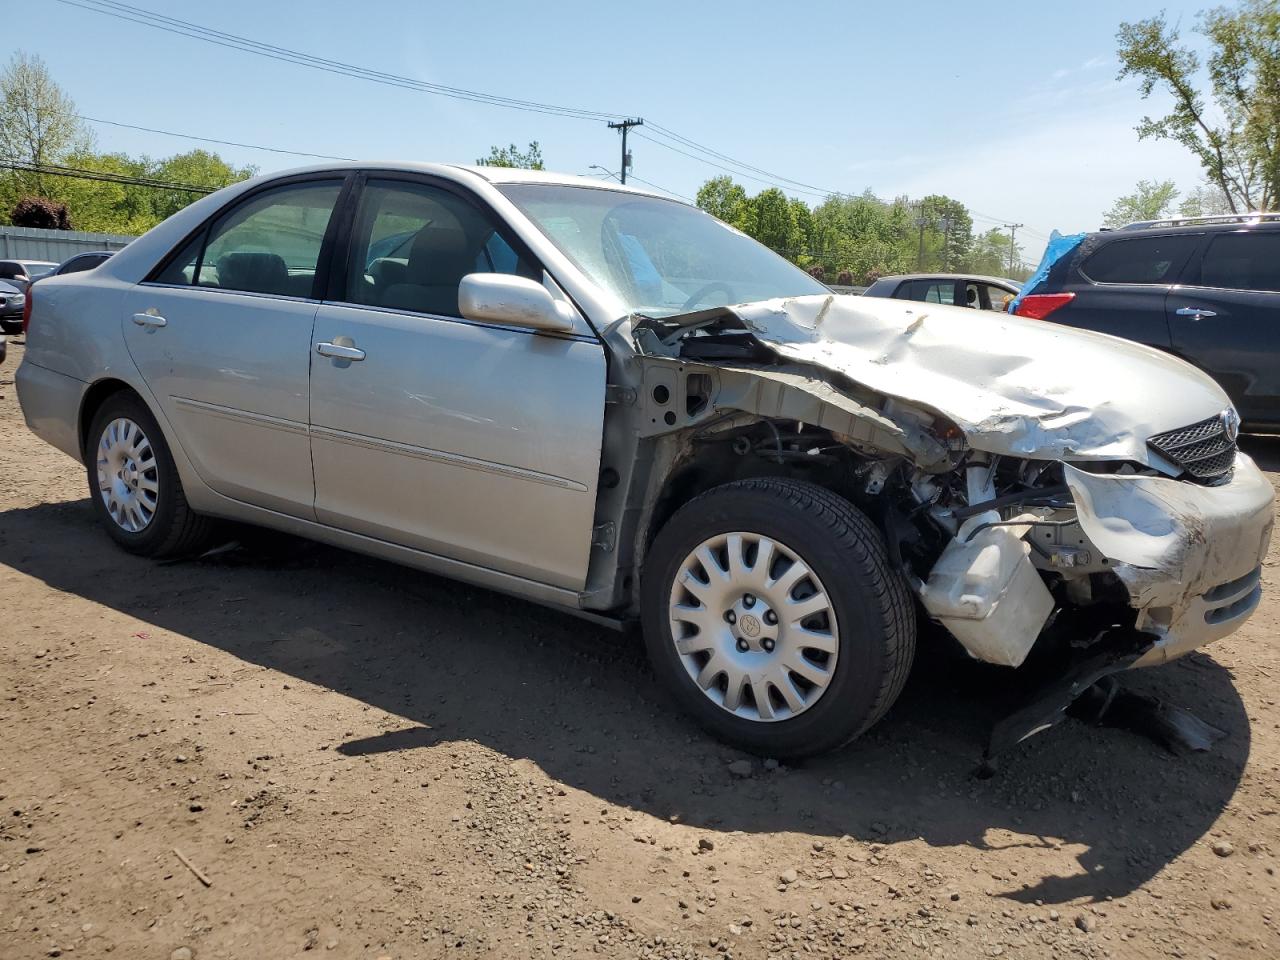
x: 853, y: 535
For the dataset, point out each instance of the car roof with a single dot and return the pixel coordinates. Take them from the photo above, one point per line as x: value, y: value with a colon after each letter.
x: 951, y: 276
x: 463, y: 172
x: 1228, y: 220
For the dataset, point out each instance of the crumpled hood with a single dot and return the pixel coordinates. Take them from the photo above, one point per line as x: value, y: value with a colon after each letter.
x: 1026, y: 388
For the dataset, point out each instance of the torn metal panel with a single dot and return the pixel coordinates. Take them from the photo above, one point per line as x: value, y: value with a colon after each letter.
x: 1014, y: 386
x: 795, y: 395
x: 1189, y: 555
x: 781, y: 393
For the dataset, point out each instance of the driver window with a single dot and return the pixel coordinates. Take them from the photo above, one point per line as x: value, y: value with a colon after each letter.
x: 998, y: 299
x: 412, y: 245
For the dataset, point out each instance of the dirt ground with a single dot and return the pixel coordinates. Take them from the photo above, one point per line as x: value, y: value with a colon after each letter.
x: 364, y: 761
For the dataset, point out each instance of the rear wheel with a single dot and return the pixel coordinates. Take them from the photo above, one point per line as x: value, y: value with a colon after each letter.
x: 772, y: 614
x: 134, y: 485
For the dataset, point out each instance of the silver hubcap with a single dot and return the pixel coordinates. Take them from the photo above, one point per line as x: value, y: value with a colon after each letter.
x: 127, y: 475
x: 754, y: 626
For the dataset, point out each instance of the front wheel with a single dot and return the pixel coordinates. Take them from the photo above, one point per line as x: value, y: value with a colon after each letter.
x: 774, y: 617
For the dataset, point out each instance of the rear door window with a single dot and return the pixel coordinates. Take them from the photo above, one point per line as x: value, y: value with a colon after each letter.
x: 1242, y: 261
x: 270, y: 243
x: 1140, y: 260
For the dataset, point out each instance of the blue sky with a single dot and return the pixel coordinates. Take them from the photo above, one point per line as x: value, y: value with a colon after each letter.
x: 1013, y: 109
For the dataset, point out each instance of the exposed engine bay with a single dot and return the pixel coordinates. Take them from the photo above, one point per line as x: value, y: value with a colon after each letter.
x: 1025, y: 512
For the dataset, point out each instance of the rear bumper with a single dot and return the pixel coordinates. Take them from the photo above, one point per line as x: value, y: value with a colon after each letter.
x: 50, y: 404
x: 1190, y: 556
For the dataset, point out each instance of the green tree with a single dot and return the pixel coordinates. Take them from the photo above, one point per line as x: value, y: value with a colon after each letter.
x: 513, y: 156
x: 104, y: 206
x: 197, y: 167
x: 991, y: 252
x: 1235, y: 139
x: 1150, y: 200
x: 38, y: 122
x: 1206, y: 200
x: 772, y: 221
x: 724, y: 199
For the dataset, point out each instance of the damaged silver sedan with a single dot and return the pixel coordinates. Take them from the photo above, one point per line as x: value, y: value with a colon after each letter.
x: 608, y: 401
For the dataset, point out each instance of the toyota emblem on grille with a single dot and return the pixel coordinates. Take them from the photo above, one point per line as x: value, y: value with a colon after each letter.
x: 1230, y: 423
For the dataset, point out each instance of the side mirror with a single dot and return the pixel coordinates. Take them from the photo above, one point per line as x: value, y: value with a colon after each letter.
x: 517, y: 301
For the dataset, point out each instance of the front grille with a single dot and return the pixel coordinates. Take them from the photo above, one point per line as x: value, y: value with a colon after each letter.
x: 1203, y: 450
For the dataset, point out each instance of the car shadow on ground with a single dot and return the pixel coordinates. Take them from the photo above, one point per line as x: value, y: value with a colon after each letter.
x: 459, y: 663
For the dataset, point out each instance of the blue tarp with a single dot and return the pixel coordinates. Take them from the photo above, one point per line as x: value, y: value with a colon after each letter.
x: 1057, y: 248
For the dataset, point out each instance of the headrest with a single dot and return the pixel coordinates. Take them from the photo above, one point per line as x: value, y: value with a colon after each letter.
x: 256, y: 272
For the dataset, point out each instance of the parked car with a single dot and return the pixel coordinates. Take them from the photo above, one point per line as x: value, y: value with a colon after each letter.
x: 1206, y: 289
x: 23, y: 273
x: 12, y: 302
x: 551, y: 400
x: 962, y: 290
x: 80, y: 262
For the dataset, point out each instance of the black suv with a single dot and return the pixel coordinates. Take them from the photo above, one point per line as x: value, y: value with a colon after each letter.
x: 1206, y: 289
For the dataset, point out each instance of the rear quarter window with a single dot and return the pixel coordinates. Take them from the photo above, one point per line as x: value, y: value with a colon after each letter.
x: 1140, y: 260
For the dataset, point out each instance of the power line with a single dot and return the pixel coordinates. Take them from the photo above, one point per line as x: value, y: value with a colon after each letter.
x: 225, y: 143
x: 745, y: 176
x: 58, y: 170
x: 186, y: 28
x: 191, y: 30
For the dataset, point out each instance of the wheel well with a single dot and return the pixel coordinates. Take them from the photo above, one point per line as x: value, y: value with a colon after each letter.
x: 748, y: 454
x: 93, y: 399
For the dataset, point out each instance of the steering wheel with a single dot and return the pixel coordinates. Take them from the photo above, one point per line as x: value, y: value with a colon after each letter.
x: 704, y: 291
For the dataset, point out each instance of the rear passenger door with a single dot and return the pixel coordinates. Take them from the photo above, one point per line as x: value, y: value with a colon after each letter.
x: 221, y: 333
x: 1226, y: 319
x: 1125, y: 284
x: 467, y: 440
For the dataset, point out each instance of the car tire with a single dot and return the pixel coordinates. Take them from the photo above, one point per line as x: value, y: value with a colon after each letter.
x: 10, y: 327
x: 134, y: 485
x: 854, y: 602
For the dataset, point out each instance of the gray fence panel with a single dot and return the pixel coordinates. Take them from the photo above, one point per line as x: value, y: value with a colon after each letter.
x: 30, y: 243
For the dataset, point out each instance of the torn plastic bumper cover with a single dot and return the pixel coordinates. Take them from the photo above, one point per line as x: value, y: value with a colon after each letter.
x: 1189, y: 555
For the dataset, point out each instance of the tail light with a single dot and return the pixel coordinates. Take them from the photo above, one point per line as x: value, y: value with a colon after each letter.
x: 1037, y: 306
x: 26, y: 308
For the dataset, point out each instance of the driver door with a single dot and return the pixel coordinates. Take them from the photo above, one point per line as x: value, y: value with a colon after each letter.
x: 467, y: 440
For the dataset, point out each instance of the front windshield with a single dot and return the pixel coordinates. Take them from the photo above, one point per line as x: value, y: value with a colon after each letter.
x: 659, y: 257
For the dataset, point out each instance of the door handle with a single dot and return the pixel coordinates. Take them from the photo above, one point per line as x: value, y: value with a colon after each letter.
x: 1195, y: 313
x: 338, y: 351
x: 151, y: 320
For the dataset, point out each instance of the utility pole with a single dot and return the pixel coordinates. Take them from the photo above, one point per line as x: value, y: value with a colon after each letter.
x: 946, y: 243
x: 1013, y: 246
x: 624, y: 126
x: 921, y: 221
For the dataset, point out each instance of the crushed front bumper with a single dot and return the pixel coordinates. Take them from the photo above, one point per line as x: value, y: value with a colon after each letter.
x: 1189, y: 555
